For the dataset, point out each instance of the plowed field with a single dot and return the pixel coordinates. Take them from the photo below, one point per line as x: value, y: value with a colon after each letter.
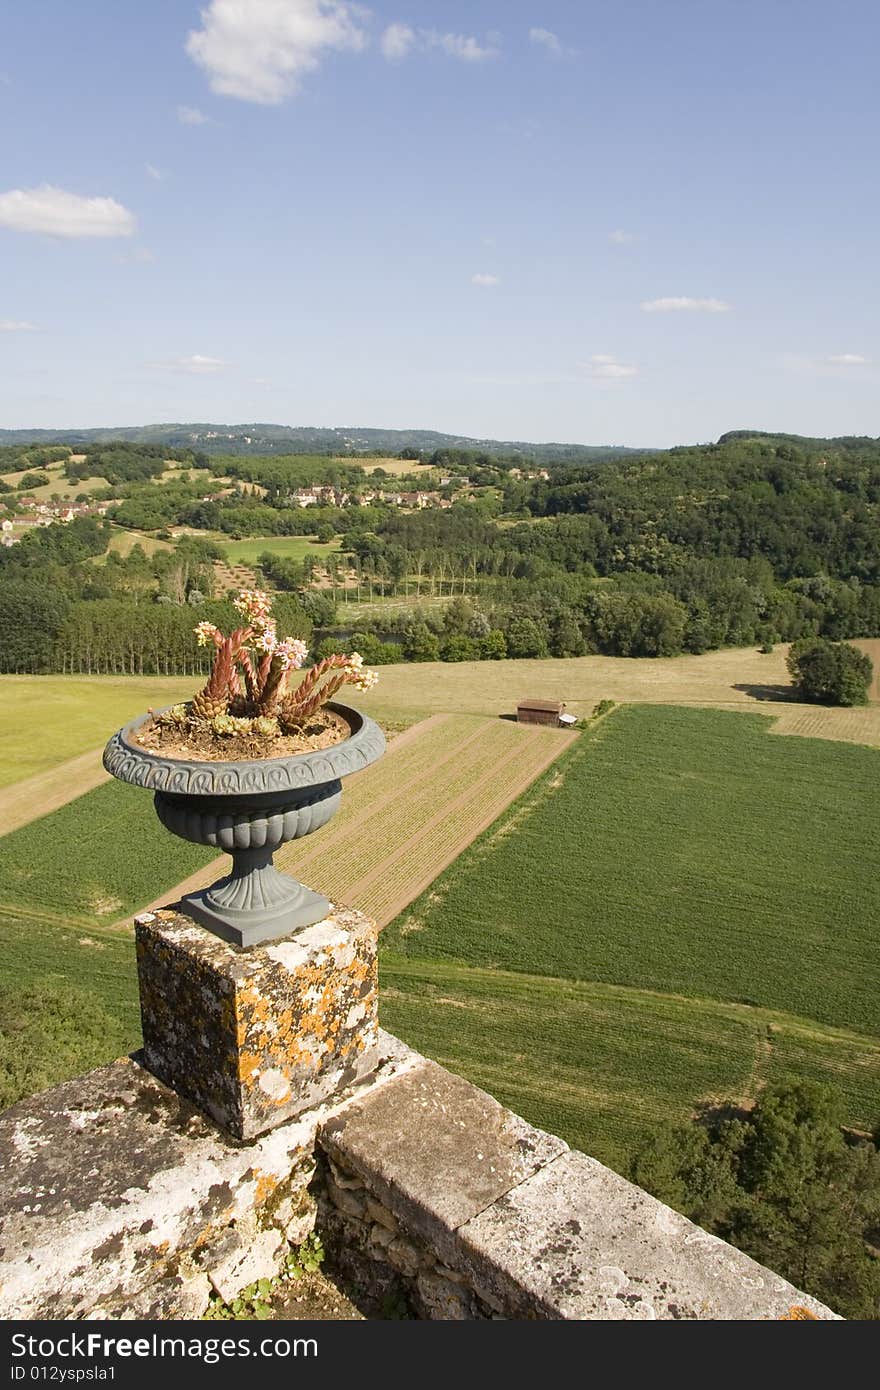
x: 404, y: 819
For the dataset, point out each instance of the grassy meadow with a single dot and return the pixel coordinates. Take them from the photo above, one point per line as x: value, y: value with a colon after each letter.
x: 77, y: 713
x: 679, y: 908
x: 682, y: 851
x: 601, y: 1064
x: 288, y: 547
x: 45, y: 720
x: 95, y: 860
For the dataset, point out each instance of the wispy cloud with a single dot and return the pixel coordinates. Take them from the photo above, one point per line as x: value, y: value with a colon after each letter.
x: 154, y: 173
x: 486, y: 280
x: 397, y: 41
x: 195, y: 365
x: 259, y: 50
x: 621, y: 238
x: 461, y: 46
x: 833, y: 366
x: 678, y: 303
x: 17, y: 326
x: 545, y: 38
x: 54, y: 212
x: 191, y: 115
x: 551, y: 43
x: 603, y: 367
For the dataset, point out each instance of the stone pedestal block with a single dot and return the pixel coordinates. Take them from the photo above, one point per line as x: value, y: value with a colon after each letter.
x: 254, y: 1037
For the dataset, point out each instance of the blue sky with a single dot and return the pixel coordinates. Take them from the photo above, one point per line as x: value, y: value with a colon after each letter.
x: 643, y: 222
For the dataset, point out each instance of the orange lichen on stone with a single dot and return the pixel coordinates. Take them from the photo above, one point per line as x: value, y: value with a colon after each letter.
x: 246, y: 1036
x: 266, y: 1185
x: 797, y: 1313
x: 248, y: 1063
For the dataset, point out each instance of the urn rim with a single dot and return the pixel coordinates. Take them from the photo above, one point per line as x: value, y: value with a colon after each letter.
x: 126, y: 760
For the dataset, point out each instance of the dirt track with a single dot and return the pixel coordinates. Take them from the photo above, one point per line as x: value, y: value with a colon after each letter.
x: 46, y: 791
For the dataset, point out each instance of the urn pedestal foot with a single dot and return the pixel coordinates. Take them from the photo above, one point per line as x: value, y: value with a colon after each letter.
x: 255, y: 902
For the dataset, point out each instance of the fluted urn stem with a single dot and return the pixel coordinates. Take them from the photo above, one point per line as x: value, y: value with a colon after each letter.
x: 255, y: 902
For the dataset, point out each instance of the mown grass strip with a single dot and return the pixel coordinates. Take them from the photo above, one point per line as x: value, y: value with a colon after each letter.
x: 603, y: 1065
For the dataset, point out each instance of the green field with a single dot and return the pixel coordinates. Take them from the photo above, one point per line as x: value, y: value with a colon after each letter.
x: 95, y: 860
x: 123, y: 542
x: 683, y: 851
x: 601, y: 1064
x: 72, y: 714
x: 44, y: 720
x: 289, y: 547
x: 687, y: 857
x: 64, y: 880
x: 679, y: 909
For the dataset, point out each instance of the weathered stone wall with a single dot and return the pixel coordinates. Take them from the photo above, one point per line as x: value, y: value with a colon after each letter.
x: 119, y: 1199
x: 436, y: 1187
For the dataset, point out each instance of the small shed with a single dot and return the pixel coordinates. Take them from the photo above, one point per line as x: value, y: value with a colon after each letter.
x: 539, y: 712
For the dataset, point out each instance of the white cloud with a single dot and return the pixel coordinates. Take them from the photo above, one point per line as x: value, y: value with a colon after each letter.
x: 603, y: 367
x: 196, y: 365
x: 53, y: 212
x: 486, y: 280
x: 462, y: 46
x: 397, y: 41
x: 675, y: 303
x: 848, y: 359
x: 154, y: 173
x: 547, y: 39
x: 16, y: 326
x: 620, y: 237
x: 191, y: 115
x: 258, y: 50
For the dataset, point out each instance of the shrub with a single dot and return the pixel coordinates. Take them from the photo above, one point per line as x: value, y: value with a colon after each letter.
x: 831, y: 673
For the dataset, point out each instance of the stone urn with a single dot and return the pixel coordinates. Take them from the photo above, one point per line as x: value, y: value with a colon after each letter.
x: 249, y: 809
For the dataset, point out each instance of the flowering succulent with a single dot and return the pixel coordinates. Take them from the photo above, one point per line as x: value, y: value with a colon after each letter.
x: 247, y: 689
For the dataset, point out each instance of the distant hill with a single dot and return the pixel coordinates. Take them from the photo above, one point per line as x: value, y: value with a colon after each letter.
x: 804, y: 441
x: 301, y: 439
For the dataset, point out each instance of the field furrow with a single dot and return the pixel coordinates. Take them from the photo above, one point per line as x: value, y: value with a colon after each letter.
x: 393, y: 821
x: 391, y: 791
x: 467, y: 805
x: 406, y: 817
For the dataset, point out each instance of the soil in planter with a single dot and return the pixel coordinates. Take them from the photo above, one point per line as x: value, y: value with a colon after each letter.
x: 196, y: 743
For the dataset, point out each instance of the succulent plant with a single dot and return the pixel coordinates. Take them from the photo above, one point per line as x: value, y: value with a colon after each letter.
x: 247, y: 690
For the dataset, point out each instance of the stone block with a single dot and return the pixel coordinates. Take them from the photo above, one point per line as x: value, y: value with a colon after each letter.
x: 112, y: 1186
x: 577, y: 1241
x: 435, y: 1151
x: 241, y: 1258
x: 442, y: 1299
x: 180, y: 1295
x: 255, y: 1037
